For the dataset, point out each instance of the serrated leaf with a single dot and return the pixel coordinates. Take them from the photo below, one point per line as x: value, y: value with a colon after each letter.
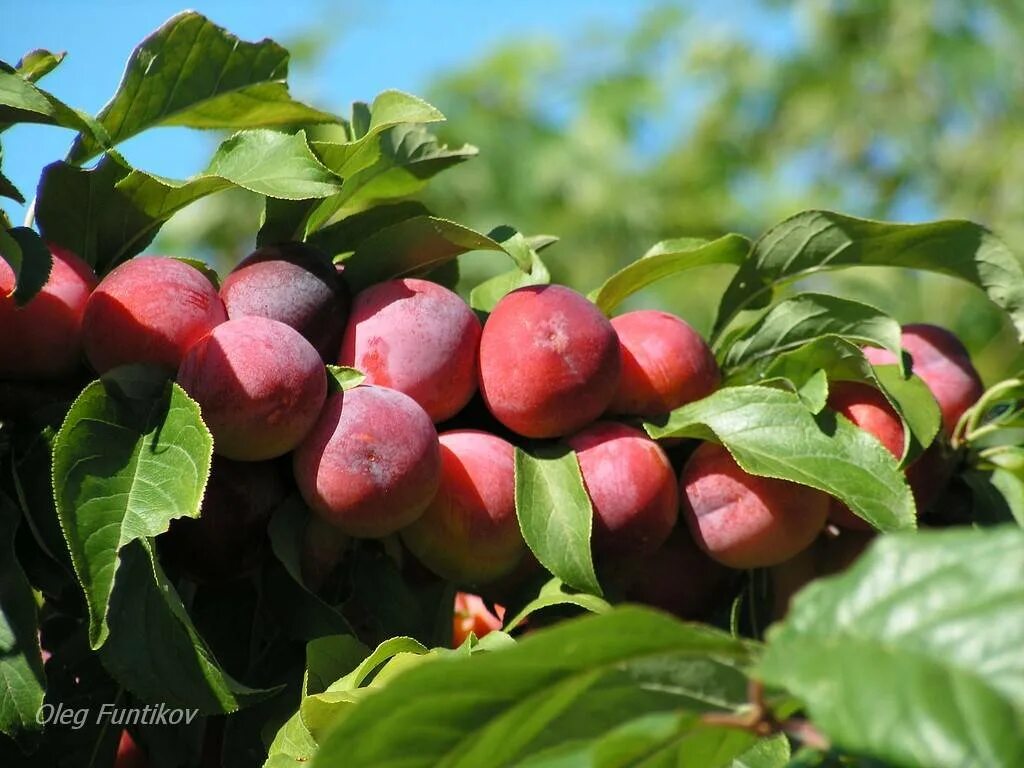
x: 21, y: 665
x: 813, y: 241
x: 916, y: 405
x: 344, y: 236
x: 772, y: 752
x: 153, y: 649
x: 192, y: 73
x: 112, y: 212
x: 411, y: 247
x: 572, y: 682
x: 38, y: 63
x: 808, y: 317
x: 341, y: 377
x: 555, y: 513
x: 329, y: 658
x: 936, y: 616
x: 531, y: 271
x: 771, y: 433
x: 23, y: 102
x: 665, y: 259
x: 997, y: 495
x: 122, y: 470
x: 554, y: 593
x: 30, y: 261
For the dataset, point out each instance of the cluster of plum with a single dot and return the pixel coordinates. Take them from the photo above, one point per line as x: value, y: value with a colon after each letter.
x: 424, y: 448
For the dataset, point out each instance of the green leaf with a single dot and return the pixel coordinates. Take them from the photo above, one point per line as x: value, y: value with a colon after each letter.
x: 668, y: 739
x: 153, y: 649
x: 914, y: 402
x: 343, y: 237
x: 38, y: 63
x: 30, y: 260
x: 328, y: 658
x: 23, y: 102
x: 773, y: 752
x: 569, y: 683
x: 665, y: 259
x: 555, y: 514
x: 772, y: 434
x: 411, y: 247
x: 341, y: 377
x: 21, y: 665
x: 554, y: 593
x: 123, y: 468
x: 997, y: 495
x: 807, y: 317
x: 112, y: 212
x: 531, y: 271
x: 936, y: 616
x: 192, y: 73
x: 812, y: 241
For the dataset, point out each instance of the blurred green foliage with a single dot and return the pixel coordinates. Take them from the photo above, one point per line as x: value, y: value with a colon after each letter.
x: 692, y: 124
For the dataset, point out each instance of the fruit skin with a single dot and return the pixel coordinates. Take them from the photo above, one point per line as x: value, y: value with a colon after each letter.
x: 149, y: 310
x: 43, y: 338
x: 665, y: 364
x: 745, y: 521
x: 826, y: 556
x: 294, y: 284
x: 473, y: 615
x: 129, y: 753
x: 868, y: 409
x: 228, y: 540
x: 372, y: 462
x: 942, y: 361
x: 549, y: 361
x: 260, y: 385
x: 632, y: 487
x: 417, y: 337
x: 469, y: 533
x: 679, y: 578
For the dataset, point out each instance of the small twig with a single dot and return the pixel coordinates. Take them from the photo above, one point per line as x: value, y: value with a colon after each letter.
x: 761, y: 721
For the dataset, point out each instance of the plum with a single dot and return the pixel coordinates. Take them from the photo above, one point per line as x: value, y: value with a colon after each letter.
x: 665, y: 364
x: 371, y: 464
x: 295, y: 284
x: 469, y: 533
x: 632, y: 487
x: 942, y: 361
x: 746, y: 521
x: 149, y: 310
x: 260, y: 385
x: 549, y: 361
x: 417, y: 337
x: 43, y: 338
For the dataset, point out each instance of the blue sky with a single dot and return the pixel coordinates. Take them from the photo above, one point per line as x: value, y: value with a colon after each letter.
x: 378, y: 45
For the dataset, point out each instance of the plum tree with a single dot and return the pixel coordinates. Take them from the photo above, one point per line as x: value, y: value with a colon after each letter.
x: 227, y: 540
x: 632, y: 487
x: 371, y: 464
x: 149, y: 310
x: 942, y: 361
x: 746, y: 521
x: 43, y: 338
x: 469, y: 533
x: 679, y: 578
x: 549, y: 361
x: 295, y: 284
x: 665, y: 364
x: 260, y: 385
x: 417, y: 337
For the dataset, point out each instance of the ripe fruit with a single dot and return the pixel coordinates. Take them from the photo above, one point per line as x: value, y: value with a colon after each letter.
x: 294, y: 284
x: 942, y: 361
x: 371, y: 464
x: 260, y: 386
x: 227, y: 540
x: 469, y: 533
x: 149, y: 310
x: 473, y: 615
x: 630, y: 481
x: 43, y: 338
x: 678, y: 578
x: 549, y: 361
x: 417, y: 337
x: 745, y: 521
x: 665, y: 364
x: 129, y: 753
